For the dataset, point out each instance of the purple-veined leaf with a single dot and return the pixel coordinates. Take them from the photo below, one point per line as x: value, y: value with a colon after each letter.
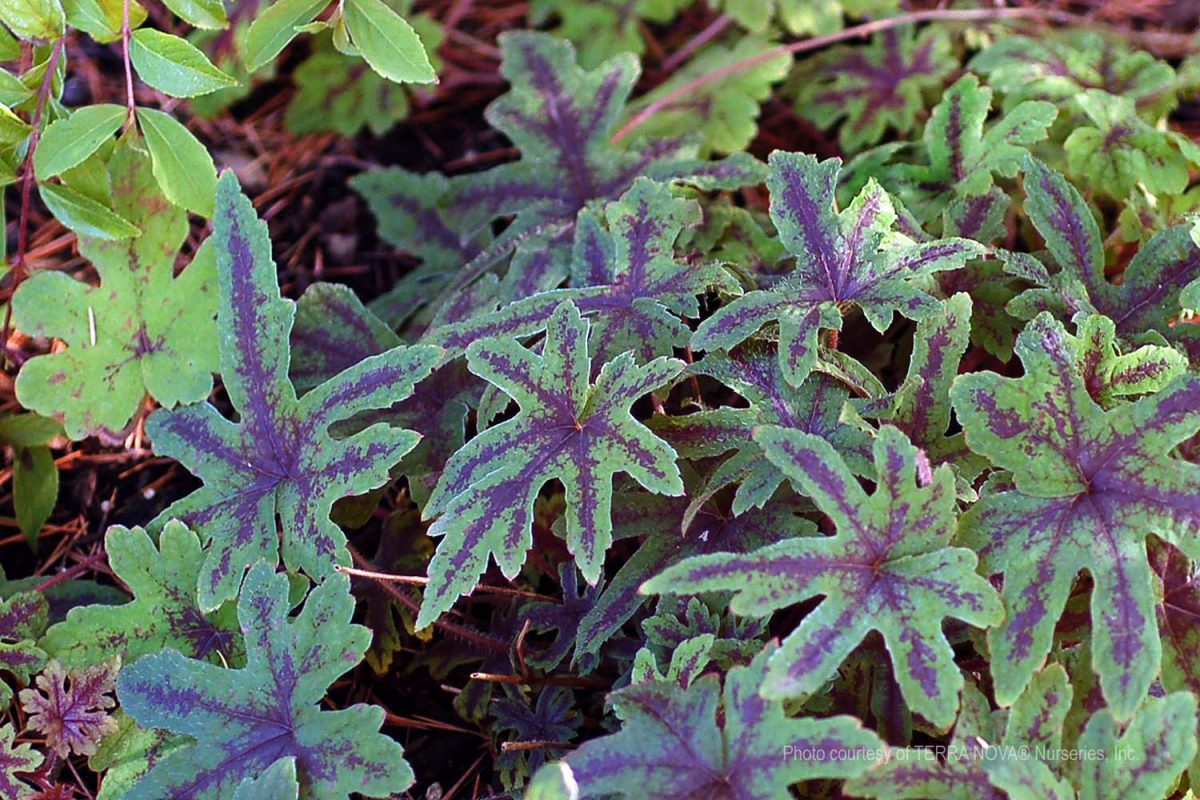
x: 688, y: 660
x: 661, y: 521
x: 868, y: 89
x: 22, y: 620
x: 245, y: 720
x: 752, y: 370
x: 1143, y: 758
x: 1059, y: 65
x: 1147, y: 299
x: 890, y: 568
x: 562, y: 618
x: 334, y: 332
x: 625, y: 279
x: 163, y: 613
x: 851, y: 257
x: 403, y: 549
x: 279, y: 458
x: 13, y: 760
x: 979, y: 740
x: 142, y: 330
x: 552, y: 719
x: 920, y: 407
x: 710, y: 740
x: 1090, y: 484
x: 729, y: 640
x: 72, y: 707
x: 1177, y: 611
x: 568, y: 428
x: 277, y: 782
x: 561, y: 118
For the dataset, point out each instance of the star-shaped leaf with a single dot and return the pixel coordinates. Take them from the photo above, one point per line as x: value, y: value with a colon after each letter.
x: 960, y: 157
x: 752, y: 370
x: 72, y: 708
x: 625, y: 277
x: 21, y: 758
x: 245, y: 720
x: 568, y: 429
x: 710, y: 740
x: 142, y: 330
x: 279, y: 458
x: 868, y: 89
x: 553, y: 719
x: 1120, y: 149
x: 1090, y: 484
x: 22, y: 620
x: 851, y: 257
x: 163, y: 613
x: 889, y: 568
x: 561, y: 117
x: 1147, y: 299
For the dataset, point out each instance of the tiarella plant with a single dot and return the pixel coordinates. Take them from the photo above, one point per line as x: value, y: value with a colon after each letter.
x: 739, y: 414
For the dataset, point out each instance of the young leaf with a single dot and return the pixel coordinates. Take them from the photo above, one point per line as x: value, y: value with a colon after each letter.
x: 1090, y: 484
x: 208, y: 14
x: 276, y: 26
x: 841, y: 258
x: 174, y: 66
x: 22, y: 621
x: 73, y: 717
x: 245, y: 720
x: 387, y: 42
x: 182, y: 165
x: 1120, y: 149
x: 889, y: 568
x: 713, y: 741
x: 1147, y: 299
x: 84, y: 215
x: 279, y: 458
x: 867, y: 89
x: 34, y: 19
x: 67, y: 142
x: 21, y: 758
x: 567, y: 429
x: 163, y: 613
x: 553, y: 719
x: 752, y: 370
x: 141, y: 331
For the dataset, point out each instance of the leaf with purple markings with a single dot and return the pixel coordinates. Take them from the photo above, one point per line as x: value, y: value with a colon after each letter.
x: 625, y: 278
x: 561, y: 117
x: 553, y: 721
x: 1147, y: 299
x: 16, y: 759
x: 142, y: 330
x: 752, y: 370
x: 245, y: 720
x: 710, y: 740
x: 279, y: 458
x: 163, y: 613
x: 890, y: 568
x: 1089, y: 485
x: 562, y: 618
x: 73, y: 708
x: 569, y: 429
x: 22, y: 621
x: 852, y: 257
x: 868, y: 89
x: 1036, y: 721
x: 661, y: 522
x: 920, y: 407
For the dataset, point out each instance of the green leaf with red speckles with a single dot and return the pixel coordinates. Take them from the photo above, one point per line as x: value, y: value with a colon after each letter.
x: 852, y: 257
x: 1089, y: 485
x: 867, y: 90
x: 280, y: 457
x: 163, y: 613
x: 141, y: 331
x: 568, y: 428
x: 890, y: 568
x: 713, y: 740
x: 246, y: 720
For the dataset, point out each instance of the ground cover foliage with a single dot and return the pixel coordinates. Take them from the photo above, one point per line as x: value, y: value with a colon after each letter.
x: 678, y: 399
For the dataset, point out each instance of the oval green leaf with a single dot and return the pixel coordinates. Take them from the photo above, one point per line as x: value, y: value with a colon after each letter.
x: 277, y: 26
x: 182, y: 166
x: 208, y: 14
x: 68, y: 142
x: 389, y: 44
x: 175, y: 66
x: 84, y: 215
